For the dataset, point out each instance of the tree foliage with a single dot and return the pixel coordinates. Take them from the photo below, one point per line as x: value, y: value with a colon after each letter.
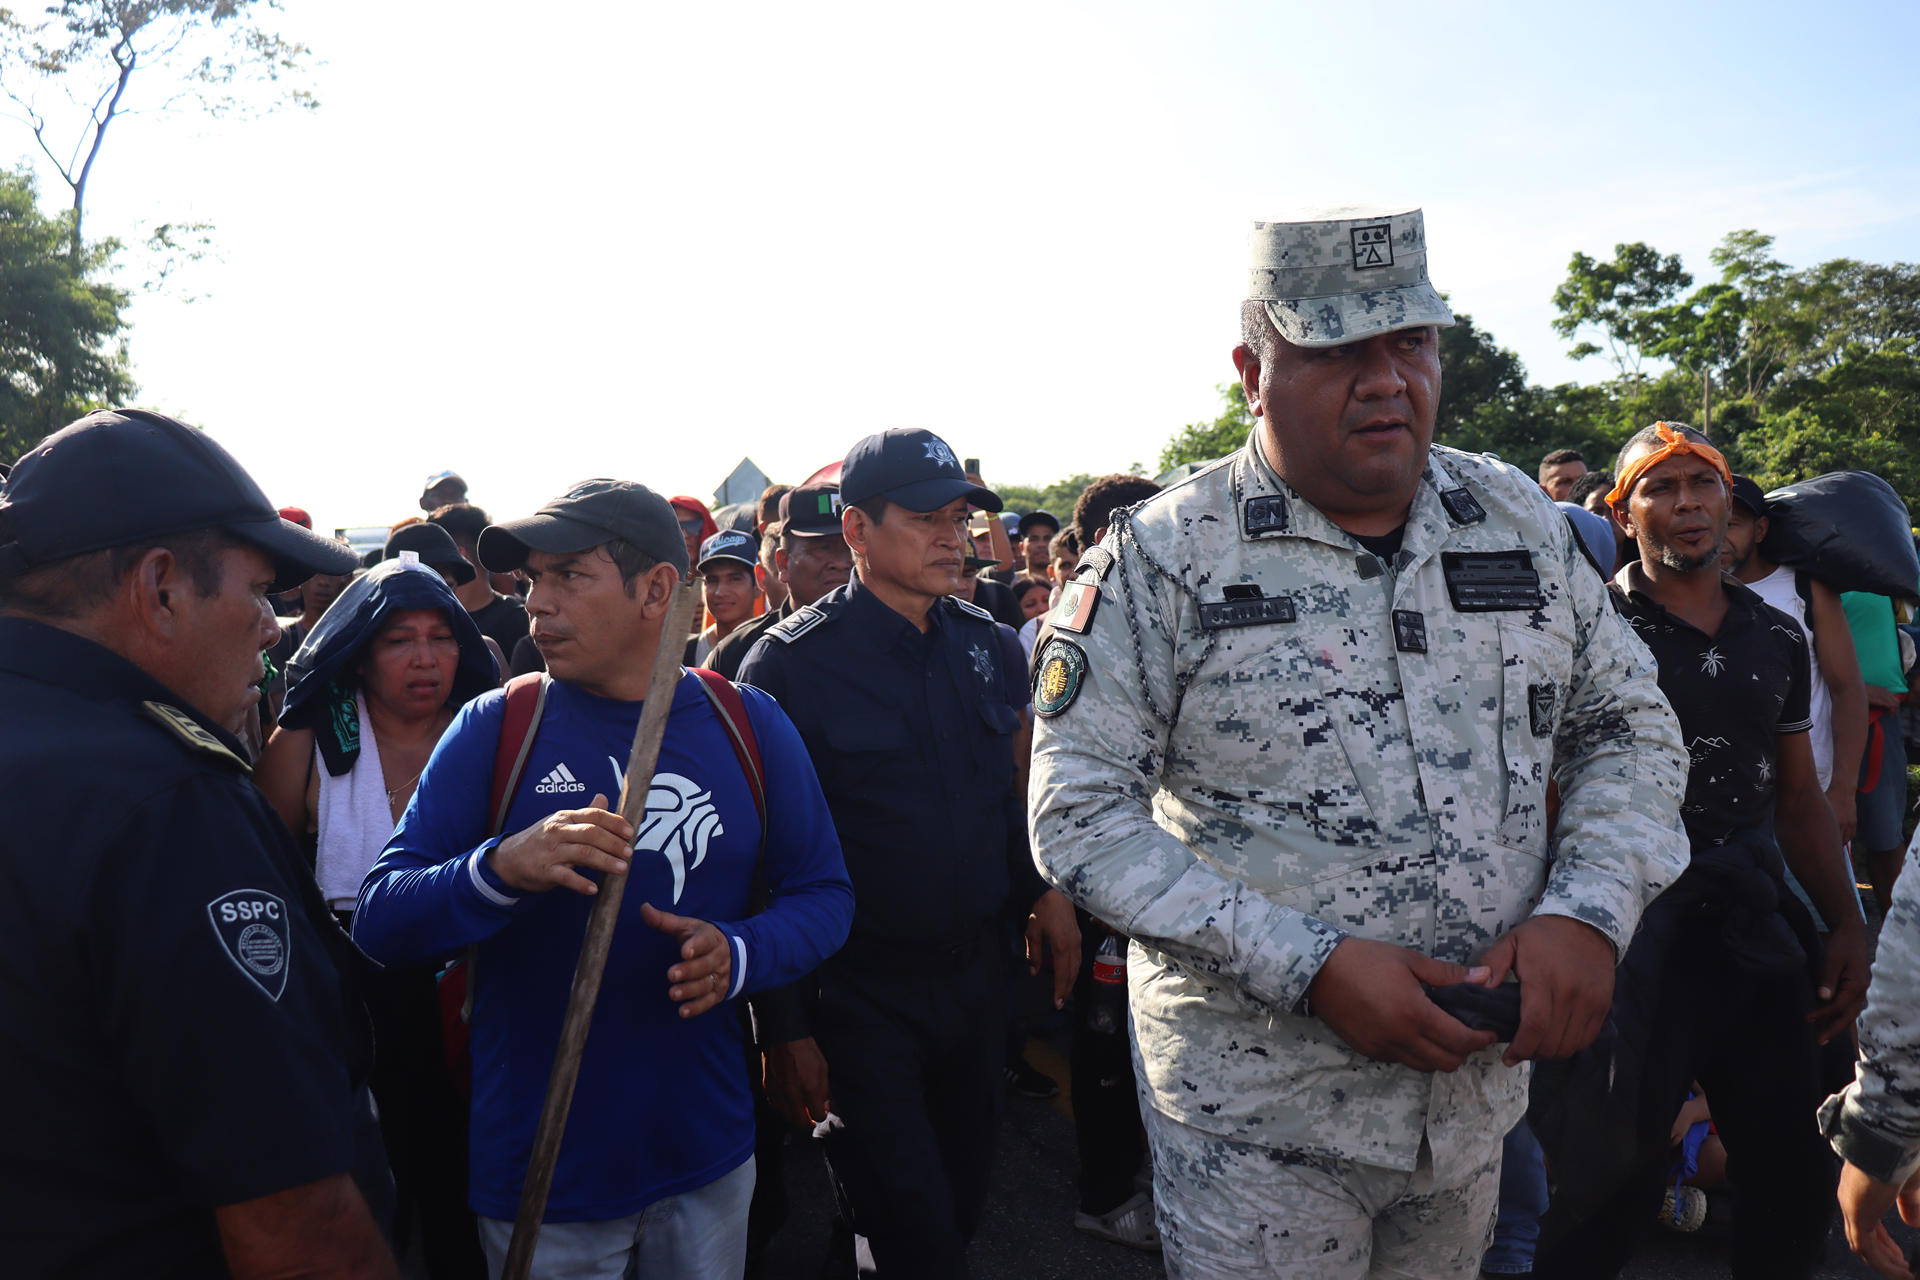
x: 61, y: 349
x: 71, y: 73
x: 1205, y: 441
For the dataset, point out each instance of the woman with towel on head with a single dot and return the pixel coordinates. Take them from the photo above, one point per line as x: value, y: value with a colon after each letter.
x: 369, y: 693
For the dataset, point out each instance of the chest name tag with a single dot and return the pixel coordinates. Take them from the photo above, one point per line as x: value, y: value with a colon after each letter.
x: 1074, y: 613
x: 1216, y: 615
x: 1486, y: 581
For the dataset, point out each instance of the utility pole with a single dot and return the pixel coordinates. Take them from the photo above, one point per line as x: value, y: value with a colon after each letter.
x: 1706, y: 401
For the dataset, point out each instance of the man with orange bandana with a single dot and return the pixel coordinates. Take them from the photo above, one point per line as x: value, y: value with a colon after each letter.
x: 1733, y: 986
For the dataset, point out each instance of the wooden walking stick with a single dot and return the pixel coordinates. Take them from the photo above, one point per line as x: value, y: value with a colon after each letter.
x: 601, y: 918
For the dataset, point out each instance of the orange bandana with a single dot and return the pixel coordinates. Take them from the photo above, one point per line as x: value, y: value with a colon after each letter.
x: 1675, y: 443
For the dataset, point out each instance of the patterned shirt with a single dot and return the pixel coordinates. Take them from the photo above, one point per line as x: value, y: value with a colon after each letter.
x: 1734, y: 691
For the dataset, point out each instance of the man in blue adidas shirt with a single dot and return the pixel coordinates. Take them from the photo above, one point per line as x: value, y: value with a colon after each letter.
x: 657, y: 1162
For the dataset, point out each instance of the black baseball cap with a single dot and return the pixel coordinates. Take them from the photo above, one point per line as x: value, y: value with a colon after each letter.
x: 124, y: 476
x: 1748, y: 495
x: 912, y: 467
x: 735, y: 545
x: 585, y: 516
x: 433, y: 545
x: 811, y: 511
x: 1033, y: 518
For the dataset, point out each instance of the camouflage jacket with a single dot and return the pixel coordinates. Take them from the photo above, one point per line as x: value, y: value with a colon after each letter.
x: 1874, y: 1123
x: 1265, y: 739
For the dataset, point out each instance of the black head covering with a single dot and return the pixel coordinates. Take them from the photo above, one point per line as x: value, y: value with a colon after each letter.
x: 318, y: 698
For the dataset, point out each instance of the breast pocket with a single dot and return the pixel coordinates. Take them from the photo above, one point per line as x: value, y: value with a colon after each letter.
x: 993, y: 745
x: 1269, y: 742
x: 1533, y: 691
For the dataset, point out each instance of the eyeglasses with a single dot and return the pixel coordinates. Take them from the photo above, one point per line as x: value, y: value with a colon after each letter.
x: 691, y: 526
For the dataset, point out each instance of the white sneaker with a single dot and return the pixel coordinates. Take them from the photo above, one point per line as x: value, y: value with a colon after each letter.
x: 1129, y: 1223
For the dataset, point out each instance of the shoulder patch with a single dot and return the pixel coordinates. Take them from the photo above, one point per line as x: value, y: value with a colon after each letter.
x: 255, y: 934
x: 1057, y: 677
x: 1078, y: 600
x: 192, y: 732
x: 1463, y: 506
x: 1096, y: 558
x: 969, y: 607
x: 1265, y: 514
x: 801, y: 621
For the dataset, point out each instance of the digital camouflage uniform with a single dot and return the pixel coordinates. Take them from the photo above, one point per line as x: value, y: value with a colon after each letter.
x: 1264, y: 739
x: 1874, y: 1123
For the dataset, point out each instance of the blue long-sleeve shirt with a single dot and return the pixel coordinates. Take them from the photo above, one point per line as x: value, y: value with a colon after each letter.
x: 662, y: 1104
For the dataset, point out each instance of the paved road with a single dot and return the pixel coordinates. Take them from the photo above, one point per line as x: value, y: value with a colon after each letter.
x: 1028, y: 1232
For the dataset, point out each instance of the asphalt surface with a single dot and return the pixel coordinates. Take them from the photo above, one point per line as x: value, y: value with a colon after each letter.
x: 1028, y: 1230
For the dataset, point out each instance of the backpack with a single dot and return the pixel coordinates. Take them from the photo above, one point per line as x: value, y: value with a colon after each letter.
x: 526, y: 703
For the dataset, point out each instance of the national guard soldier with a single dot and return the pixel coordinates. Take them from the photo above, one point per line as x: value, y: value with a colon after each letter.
x: 895, y: 1049
x: 1874, y: 1123
x: 1299, y: 714
x: 179, y: 1030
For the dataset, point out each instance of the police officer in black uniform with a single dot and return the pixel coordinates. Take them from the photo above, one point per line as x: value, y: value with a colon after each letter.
x: 902, y: 696
x: 180, y: 1045
x: 811, y: 558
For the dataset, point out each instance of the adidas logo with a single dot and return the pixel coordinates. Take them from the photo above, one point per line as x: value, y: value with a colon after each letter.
x: 559, y: 782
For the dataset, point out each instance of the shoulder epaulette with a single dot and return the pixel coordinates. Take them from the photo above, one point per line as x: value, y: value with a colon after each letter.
x: 969, y: 607
x: 191, y: 732
x: 797, y: 624
x: 1096, y: 558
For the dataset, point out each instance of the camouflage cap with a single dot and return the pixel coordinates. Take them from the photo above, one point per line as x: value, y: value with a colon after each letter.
x: 1344, y: 274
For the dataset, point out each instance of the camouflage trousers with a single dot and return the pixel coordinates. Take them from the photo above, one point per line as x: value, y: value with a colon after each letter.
x: 1228, y: 1210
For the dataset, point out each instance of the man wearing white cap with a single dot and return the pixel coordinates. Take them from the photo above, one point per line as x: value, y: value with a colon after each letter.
x: 1298, y: 716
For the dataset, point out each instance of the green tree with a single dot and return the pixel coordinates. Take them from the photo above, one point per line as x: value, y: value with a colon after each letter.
x: 62, y: 352
x: 1057, y: 497
x: 1618, y: 298
x: 1205, y: 441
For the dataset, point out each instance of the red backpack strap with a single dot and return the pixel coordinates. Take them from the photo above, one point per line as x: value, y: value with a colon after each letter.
x: 526, y: 700
x: 732, y: 710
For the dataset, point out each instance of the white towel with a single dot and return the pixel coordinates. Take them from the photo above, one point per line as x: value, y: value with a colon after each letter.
x: 355, y: 820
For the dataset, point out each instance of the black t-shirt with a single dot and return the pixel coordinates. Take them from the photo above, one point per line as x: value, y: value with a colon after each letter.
x: 997, y: 598
x: 504, y: 621
x: 180, y: 1027
x: 731, y: 652
x: 1385, y: 546
x: 1734, y: 693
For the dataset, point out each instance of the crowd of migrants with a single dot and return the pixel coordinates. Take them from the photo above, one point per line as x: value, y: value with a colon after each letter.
x: 1444, y: 870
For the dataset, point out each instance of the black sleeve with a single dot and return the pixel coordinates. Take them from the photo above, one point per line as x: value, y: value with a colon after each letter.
x: 227, y: 1015
x: 1796, y: 713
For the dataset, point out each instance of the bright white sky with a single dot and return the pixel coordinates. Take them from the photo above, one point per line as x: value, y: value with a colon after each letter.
x: 540, y: 243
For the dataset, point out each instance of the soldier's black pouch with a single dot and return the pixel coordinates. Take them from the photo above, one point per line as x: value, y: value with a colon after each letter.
x: 1495, y: 1009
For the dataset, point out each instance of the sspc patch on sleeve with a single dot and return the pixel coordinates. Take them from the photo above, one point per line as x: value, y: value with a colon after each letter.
x: 253, y: 930
x: 191, y: 731
x: 1058, y: 676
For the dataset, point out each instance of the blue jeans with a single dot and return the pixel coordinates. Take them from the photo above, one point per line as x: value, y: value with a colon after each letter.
x: 1523, y: 1199
x: 696, y: 1235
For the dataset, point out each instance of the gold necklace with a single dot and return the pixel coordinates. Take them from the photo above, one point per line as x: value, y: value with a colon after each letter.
x: 403, y: 786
